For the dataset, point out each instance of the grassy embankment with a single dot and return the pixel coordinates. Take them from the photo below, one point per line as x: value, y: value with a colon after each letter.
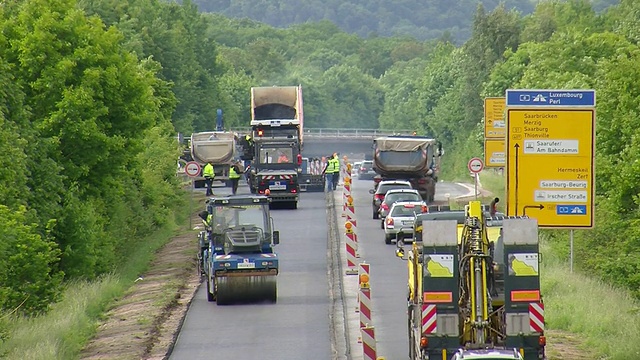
x: 64, y: 331
x: 605, y: 319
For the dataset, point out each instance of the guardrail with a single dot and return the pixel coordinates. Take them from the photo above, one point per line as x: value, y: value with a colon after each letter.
x: 335, y: 133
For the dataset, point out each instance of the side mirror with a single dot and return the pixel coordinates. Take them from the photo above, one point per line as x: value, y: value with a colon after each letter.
x: 372, y: 191
x: 276, y: 237
x: 400, y: 249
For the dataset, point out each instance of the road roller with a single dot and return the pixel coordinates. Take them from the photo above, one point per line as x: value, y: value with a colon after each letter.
x: 240, y: 264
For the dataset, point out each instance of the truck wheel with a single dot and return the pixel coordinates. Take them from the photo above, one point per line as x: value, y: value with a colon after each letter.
x: 293, y: 205
x: 376, y: 215
x: 210, y: 296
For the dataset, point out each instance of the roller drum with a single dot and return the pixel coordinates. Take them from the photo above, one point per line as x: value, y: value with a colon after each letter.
x: 246, y: 289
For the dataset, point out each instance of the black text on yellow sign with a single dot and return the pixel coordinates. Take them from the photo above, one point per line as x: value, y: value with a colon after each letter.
x: 495, y: 153
x: 550, y: 166
x: 494, y: 121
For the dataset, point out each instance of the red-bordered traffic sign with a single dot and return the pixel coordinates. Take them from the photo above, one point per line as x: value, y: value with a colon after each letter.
x: 475, y: 165
x: 192, y: 169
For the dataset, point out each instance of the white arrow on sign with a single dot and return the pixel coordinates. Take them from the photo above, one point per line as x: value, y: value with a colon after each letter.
x: 475, y: 165
x: 192, y: 169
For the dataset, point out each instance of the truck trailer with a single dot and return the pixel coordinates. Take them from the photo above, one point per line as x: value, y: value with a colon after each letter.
x: 217, y: 146
x: 412, y: 158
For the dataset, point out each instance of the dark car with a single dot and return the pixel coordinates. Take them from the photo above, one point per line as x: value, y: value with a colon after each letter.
x: 381, y: 190
x: 366, y: 171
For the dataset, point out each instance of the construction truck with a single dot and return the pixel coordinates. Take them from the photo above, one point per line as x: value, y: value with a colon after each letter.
x: 412, y: 158
x: 217, y: 146
x: 468, y: 292
x: 239, y: 263
x: 277, y: 134
x: 311, y: 178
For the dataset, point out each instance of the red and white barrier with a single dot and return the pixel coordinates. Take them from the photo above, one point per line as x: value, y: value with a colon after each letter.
x: 364, y: 298
x: 368, y: 342
x: 346, y: 189
x: 352, y: 248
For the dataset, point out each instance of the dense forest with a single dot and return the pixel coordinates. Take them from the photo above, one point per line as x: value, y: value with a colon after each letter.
x: 94, y: 92
x: 423, y: 20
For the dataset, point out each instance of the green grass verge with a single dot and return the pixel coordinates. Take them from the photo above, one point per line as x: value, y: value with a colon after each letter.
x: 64, y: 331
x: 605, y: 318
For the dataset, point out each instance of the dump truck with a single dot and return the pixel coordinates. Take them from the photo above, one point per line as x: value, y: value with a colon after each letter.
x: 277, y: 131
x: 240, y: 264
x: 474, y: 284
x: 217, y: 146
x: 412, y: 158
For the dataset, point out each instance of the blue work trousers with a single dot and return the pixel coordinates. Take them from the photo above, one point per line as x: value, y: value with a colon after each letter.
x: 329, y: 178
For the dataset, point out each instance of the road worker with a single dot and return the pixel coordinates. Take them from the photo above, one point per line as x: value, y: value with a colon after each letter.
x: 209, y: 174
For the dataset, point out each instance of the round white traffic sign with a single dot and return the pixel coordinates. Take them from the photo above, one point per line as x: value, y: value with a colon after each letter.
x: 192, y: 169
x: 475, y: 165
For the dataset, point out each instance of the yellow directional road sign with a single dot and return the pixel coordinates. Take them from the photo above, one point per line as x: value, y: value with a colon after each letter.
x: 494, y: 153
x: 550, y: 166
x: 494, y: 122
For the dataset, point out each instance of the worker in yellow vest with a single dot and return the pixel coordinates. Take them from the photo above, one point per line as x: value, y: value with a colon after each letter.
x: 235, y: 172
x: 209, y: 174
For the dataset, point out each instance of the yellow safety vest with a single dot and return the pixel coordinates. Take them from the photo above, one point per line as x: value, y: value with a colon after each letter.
x: 333, y: 166
x: 233, y: 174
x: 208, y: 171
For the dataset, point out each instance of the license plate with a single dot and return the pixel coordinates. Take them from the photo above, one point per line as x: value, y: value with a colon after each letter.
x: 277, y: 185
x: 371, y: 172
x: 246, y: 265
x: 407, y: 223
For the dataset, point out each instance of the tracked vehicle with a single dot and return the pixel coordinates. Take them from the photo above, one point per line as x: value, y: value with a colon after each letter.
x: 239, y: 262
x: 469, y: 292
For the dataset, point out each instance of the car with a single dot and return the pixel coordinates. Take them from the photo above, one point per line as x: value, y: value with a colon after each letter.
x: 355, y: 168
x: 399, y: 223
x: 487, y: 354
x: 366, y: 171
x: 381, y: 190
x: 396, y: 195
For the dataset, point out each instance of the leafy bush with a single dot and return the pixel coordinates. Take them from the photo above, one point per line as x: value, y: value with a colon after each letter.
x: 29, y: 275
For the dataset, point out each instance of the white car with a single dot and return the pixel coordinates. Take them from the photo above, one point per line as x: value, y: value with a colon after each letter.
x: 355, y: 167
x: 399, y: 222
x: 395, y: 195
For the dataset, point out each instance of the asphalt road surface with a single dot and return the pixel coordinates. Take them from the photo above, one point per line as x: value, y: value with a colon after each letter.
x: 297, y: 326
x: 388, y: 273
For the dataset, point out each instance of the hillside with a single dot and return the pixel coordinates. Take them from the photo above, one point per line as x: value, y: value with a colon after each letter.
x: 433, y: 20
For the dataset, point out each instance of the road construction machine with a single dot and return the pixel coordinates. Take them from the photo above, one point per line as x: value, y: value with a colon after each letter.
x: 412, y: 158
x: 277, y: 135
x: 469, y: 291
x: 217, y: 146
x: 239, y: 263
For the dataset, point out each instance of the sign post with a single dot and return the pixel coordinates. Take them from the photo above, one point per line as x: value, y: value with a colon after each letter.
x: 550, y: 158
x: 475, y: 165
x: 192, y: 169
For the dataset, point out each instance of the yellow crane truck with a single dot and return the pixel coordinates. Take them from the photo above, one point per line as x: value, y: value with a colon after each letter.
x: 474, y: 285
